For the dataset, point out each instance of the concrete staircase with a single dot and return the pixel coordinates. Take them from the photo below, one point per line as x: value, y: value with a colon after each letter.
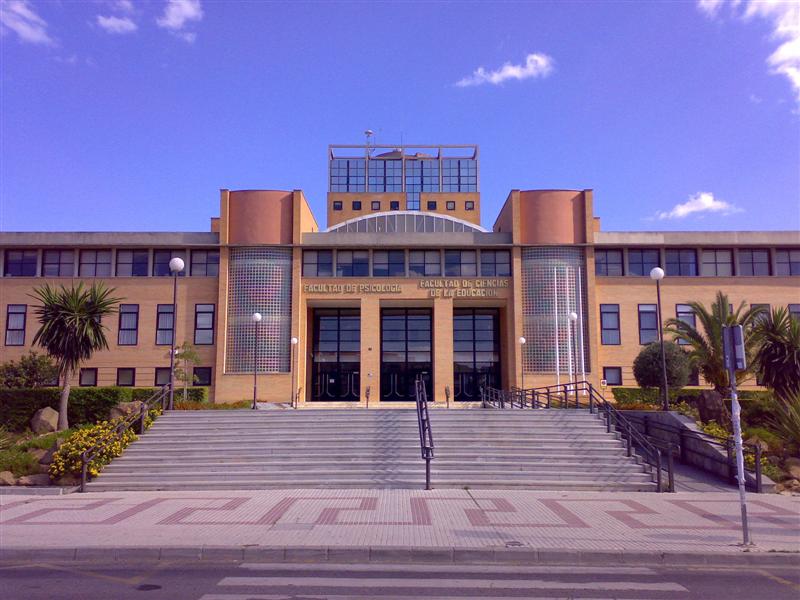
x: 356, y: 448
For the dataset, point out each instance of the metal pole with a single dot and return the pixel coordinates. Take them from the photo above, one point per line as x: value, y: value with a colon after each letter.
x: 736, y: 412
x: 555, y: 320
x: 172, y: 346
x: 580, y: 323
x: 665, y: 400
x: 295, y: 382
x: 255, y: 369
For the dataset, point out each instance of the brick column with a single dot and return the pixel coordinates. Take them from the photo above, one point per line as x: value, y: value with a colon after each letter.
x: 370, y: 350
x: 442, y: 348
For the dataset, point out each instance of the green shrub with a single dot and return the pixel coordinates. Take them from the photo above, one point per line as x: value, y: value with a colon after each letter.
x: 648, y: 369
x: 770, y: 438
x: 18, y: 462
x: 190, y: 405
x: 626, y: 396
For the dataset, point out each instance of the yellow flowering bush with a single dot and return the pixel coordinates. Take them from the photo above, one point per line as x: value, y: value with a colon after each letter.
x: 67, y: 459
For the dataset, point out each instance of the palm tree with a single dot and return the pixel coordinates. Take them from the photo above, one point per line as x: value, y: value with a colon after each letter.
x: 705, y: 347
x: 778, y: 356
x: 72, y: 330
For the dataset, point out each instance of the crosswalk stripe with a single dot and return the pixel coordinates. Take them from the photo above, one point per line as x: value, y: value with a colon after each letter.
x: 417, y: 568
x: 533, y: 584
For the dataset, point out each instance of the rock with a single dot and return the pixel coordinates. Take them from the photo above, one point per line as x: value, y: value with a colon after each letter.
x: 68, y: 480
x: 123, y: 409
x: 40, y: 479
x: 45, y: 420
x: 38, y: 454
x: 712, y: 407
x: 7, y: 478
x: 756, y: 441
x: 792, y: 466
x: 791, y: 484
x: 774, y: 460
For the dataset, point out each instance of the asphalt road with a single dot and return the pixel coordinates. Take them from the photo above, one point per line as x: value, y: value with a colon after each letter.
x: 207, y: 580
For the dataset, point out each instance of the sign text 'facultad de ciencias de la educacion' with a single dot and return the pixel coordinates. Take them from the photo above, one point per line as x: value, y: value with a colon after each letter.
x: 437, y: 288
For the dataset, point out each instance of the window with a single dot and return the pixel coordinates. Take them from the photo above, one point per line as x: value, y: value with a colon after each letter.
x: 20, y: 263
x: 716, y: 263
x: 347, y: 175
x: 460, y: 263
x: 161, y: 260
x: 421, y: 176
x: 608, y: 262
x: 764, y: 311
x: 337, y: 205
x: 612, y: 375
x: 376, y: 205
x: 469, y: 205
x: 459, y: 175
x: 58, y: 263
x: 352, y: 263
x: 394, y: 205
x: 15, y: 324
x: 495, y: 263
x: 389, y: 263
x: 684, y: 312
x: 126, y: 376
x: 754, y: 262
x: 201, y: 376
x: 385, y: 175
x: 609, y: 324
x: 95, y: 263
x: 648, y: 324
x: 128, y: 334
x: 356, y: 205
x: 162, y: 376
x: 424, y: 263
x: 450, y: 205
x: 681, y: 263
x: 431, y: 204
x: 164, y: 324
x: 203, y: 324
x: 132, y: 263
x: 642, y: 261
x: 787, y: 262
x: 794, y: 311
x: 88, y: 378
x: 205, y: 263
x: 317, y: 263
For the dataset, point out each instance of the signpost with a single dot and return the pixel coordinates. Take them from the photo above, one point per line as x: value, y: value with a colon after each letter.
x: 734, y: 358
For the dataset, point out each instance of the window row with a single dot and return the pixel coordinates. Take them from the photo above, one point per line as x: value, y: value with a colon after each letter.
x: 126, y: 377
x: 411, y: 263
x: 648, y: 321
x: 683, y: 262
x: 386, y: 175
x: 128, y: 328
x: 99, y: 263
x: 377, y: 205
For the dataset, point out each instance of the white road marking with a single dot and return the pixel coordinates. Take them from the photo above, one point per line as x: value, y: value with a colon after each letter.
x: 480, y: 569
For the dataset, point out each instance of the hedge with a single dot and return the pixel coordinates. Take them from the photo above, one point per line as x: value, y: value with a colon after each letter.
x: 86, y: 404
x: 755, y: 400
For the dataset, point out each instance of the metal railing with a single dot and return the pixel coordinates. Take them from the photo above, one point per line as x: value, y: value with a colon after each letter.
x: 425, y: 434
x: 161, y: 396
x: 582, y: 394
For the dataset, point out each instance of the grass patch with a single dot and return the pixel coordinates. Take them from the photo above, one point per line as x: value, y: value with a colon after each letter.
x: 43, y: 442
x: 18, y: 462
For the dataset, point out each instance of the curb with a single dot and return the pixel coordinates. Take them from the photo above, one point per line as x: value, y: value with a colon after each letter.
x: 394, y: 555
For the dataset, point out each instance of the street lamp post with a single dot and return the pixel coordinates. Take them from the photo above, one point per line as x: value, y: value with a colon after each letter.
x: 522, y: 342
x: 294, y: 342
x: 176, y: 265
x: 657, y: 274
x: 256, y: 318
x: 573, y: 355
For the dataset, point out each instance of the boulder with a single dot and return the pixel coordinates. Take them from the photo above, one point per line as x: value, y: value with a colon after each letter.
x: 792, y: 466
x: 7, y: 478
x: 68, y: 480
x: 45, y: 420
x: 756, y: 441
x: 40, y: 479
x: 38, y: 454
x: 123, y: 409
x: 712, y: 407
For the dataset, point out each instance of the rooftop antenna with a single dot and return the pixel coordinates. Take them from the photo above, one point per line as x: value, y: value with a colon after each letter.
x: 368, y: 134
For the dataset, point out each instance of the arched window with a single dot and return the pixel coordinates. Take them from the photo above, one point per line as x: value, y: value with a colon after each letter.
x: 402, y: 221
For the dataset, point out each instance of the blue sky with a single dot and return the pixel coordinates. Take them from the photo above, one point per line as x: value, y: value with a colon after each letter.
x: 130, y: 116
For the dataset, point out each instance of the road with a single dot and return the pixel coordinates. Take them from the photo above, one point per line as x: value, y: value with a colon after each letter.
x: 208, y: 580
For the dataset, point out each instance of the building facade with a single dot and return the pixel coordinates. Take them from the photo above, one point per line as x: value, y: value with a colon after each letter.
x: 403, y: 282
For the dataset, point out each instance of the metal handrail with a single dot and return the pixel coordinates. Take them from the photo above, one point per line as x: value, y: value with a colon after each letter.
x: 425, y: 433
x: 582, y: 394
x: 160, y: 396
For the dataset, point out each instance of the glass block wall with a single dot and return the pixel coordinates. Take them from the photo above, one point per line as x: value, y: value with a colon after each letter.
x: 546, y: 314
x: 259, y: 280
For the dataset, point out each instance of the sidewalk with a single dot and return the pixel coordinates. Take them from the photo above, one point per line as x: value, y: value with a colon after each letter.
x: 379, y: 525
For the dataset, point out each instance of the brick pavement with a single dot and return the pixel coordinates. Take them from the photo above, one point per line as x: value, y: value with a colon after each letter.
x: 461, y: 519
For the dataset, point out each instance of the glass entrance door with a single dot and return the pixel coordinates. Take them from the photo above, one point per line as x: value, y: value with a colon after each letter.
x: 476, y: 352
x: 336, y: 355
x: 406, y: 347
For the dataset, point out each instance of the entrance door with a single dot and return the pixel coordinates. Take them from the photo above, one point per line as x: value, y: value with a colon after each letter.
x: 476, y: 351
x: 405, y: 352
x: 336, y: 356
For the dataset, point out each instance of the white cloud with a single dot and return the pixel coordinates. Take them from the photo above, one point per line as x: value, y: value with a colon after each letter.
x: 114, y: 24
x: 19, y: 17
x: 177, y: 13
x: 536, y: 65
x: 699, y: 203
x: 784, y: 19
x: 123, y: 6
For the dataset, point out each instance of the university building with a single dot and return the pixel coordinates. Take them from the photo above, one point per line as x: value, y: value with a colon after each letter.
x: 404, y: 280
